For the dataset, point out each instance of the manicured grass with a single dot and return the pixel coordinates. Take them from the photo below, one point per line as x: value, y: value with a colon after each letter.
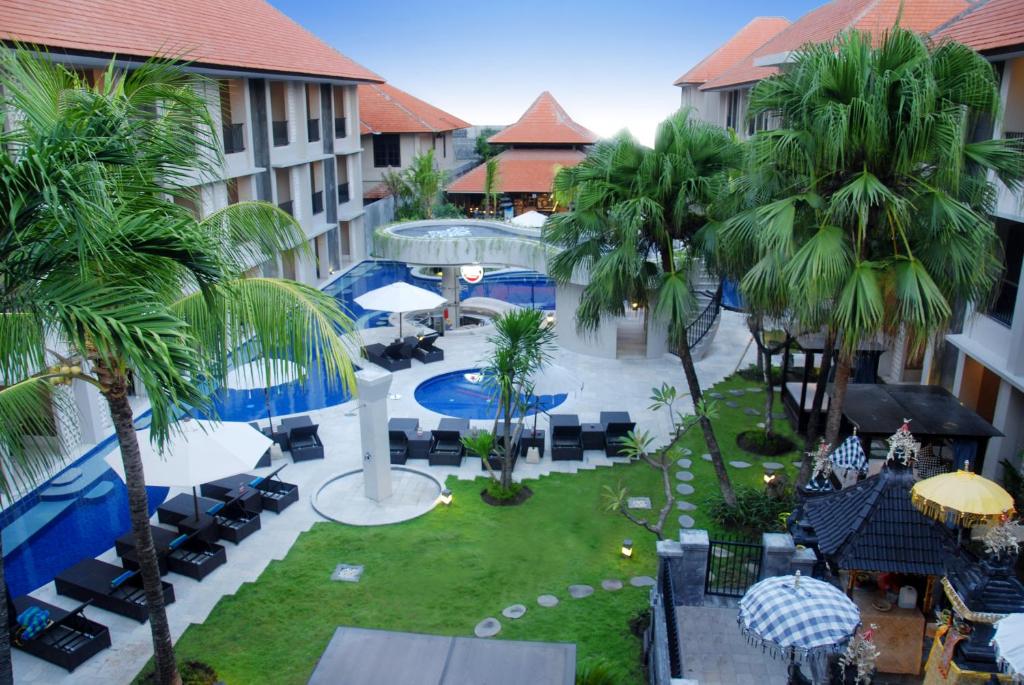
x: 446, y: 571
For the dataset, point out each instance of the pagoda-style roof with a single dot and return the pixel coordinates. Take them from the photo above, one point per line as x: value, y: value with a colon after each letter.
x: 873, y: 526
x: 985, y: 587
x: 544, y: 123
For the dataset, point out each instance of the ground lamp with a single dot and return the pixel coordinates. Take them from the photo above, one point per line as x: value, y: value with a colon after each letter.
x: 773, y: 484
x: 627, y: 548
x: 445, y: 497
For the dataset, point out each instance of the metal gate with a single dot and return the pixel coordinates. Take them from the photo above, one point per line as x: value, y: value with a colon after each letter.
x: 733, y: 566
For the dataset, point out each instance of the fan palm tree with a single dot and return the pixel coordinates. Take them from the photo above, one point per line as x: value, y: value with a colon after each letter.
x: 98, y: 259
x: 492, y: 185
x: 634, y: 212
x: 425, y: 182
x: 874, y: 219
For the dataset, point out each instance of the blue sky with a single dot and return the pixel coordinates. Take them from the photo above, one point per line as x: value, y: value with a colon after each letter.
x: 611, y: 63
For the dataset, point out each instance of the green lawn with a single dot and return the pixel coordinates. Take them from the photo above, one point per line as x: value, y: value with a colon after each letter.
x: 446, y: 571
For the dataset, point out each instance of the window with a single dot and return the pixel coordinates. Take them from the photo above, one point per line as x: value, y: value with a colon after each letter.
x: 1011, y: 233
x: 732, y: 106
x: 386, y: 150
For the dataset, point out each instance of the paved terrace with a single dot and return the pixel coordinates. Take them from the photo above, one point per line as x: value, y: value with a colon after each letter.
x: 609, y: 384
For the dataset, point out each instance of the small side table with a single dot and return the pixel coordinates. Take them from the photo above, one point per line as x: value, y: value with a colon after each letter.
x: 593, y: 436
x: 419, y: 445
x: 531, y: 438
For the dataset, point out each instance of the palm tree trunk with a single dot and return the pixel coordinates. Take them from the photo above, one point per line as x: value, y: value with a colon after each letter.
x: 835, y: 407
x: 138, y: 506
x: 819, y: 399
x: 6, y: 667
x: 690, y: 371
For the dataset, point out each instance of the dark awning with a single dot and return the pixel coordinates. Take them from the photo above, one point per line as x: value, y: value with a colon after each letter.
x: 878, y: 410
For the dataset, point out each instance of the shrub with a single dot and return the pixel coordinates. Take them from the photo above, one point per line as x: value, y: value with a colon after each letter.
x: 755, y: 512
x: 192, y: 673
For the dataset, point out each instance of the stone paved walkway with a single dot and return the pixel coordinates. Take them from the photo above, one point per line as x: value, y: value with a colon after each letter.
x: 716, y: 653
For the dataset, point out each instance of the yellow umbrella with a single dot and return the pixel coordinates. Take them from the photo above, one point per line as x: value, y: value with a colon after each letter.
x: 967, y: 497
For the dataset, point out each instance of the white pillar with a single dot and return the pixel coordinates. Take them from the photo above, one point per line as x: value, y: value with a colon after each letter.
x: 373, y: 384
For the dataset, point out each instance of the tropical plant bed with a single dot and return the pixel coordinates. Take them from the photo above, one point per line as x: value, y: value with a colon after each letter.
x: 764, y: 444
x: 496, y: 497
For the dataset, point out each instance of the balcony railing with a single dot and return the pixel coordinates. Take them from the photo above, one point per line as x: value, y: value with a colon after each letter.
x: 286, y: 206
x: 343, y: 195
x: 313, y: 129
x: 318, y: 202
x: 340, y: 128
x: 234, y: 138
x: 280, y: 133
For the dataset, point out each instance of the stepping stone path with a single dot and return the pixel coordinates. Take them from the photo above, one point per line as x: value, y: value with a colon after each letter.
x: 716, y: 395
x: 580, y: 591
x: 686, y: 451
x: 750, y: 411
x: 548, y: 600
x: 755, y: 390
x: 760, y: 424
x: 515, y: 611
x: 611, y: 585
x: 737, y: 393
x: 739, y: 464
x: 779, y: 416
x: 642, y: 581
x: 732, y: 405
x: 684, y: 463
x: 489, y: 627
x: 686, y: 521
x: 706, y: 456
x: 685, y: 506
x: 684, y: 476
x: 684, y: 489
x: 773, y: 465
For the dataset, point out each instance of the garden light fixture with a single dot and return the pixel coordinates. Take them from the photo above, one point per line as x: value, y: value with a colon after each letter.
x: 446, y: 497
x: 627, y: 548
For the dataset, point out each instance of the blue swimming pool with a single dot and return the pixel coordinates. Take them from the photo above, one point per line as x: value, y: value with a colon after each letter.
x: 464, y: 394
x: 47, y: 530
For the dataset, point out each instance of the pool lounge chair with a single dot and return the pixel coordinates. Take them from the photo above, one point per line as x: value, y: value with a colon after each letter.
x: 425, y: 350
x: 393, y: 357
x: 187, y: 555
x: 109, y: 587
x: 566, y: 437
x: 217, y: 520
x: 617, y: 425
x: 446, y: 448
x: 275, y: 494
x: 68, y: 641
x: 305, y: 443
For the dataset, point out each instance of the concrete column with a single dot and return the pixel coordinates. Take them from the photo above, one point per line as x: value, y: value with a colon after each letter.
x: 450, y: 292
x: 803, y: 561
x: 689, y: 584
x: 671, y: 553
x: 777, y: 555
x: 373, y: 384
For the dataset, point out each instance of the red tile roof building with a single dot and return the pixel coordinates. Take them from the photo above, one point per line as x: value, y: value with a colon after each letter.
x: 247, y: 34
x: 544, y: 123
x: 520, y: 171
x: 990, y: 26
x: 386, y: 109
x: 745, y: 41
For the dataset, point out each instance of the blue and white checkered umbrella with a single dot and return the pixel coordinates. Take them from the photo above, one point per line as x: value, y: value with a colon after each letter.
x: 801, y: 619
x: 850, y: 455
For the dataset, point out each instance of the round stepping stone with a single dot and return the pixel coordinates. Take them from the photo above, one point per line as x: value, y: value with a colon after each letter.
x: 684, y: 463
x: 750, y: 411
x: 739, y: 464
x: 738, y: 393
x: 706, y: 456
x: 779, y: 416
x: 773, y: 465
x: 755, y: 390
x: 684, y: 489
x: 684, y: 476
x: 686, y: 521
x: 642, y: 581
x: 732, y: 405
x: 99, y: 492
x: 716, y: 395
x: 685, y: 506
x: 547, y: 601
x: 760, y: 424
x: 611, y: 585
x: 686, y: 452
x: 580, y: 591
x: 489, y: 627
x: 514, y: 611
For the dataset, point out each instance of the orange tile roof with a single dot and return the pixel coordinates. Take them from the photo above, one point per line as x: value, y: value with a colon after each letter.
x: 386, y: 109
x: 745, y: 41
x: 520, y: 171
x: 991, y: 25
x: 544, y: 123
x: 829, y: 20
x: 246, y: 34
x: 376, y: 192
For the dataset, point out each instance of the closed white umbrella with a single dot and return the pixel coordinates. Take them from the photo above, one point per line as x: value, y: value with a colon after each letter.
x: 530, y: 219
x: 196, y: 453
x: 400, y: 297
x: 1009, y: 644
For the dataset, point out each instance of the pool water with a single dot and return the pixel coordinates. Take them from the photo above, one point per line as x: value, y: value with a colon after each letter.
x: 465, y: 395
x: 46, y: 538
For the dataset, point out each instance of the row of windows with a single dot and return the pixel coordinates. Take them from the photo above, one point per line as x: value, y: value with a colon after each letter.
x: 387, y: 149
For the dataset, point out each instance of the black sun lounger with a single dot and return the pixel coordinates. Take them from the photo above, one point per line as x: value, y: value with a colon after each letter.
x: 617, y: 426
x: 224, y: 520
x: 68, y: 640
x: 188, y: 555
x: 109, y: 587
x: 393, y: 357
x: 275, y: 495
x: 425, y: 350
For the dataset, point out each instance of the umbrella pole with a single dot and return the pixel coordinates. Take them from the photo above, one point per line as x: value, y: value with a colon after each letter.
x: 270, y: 416
x: 195, y: 501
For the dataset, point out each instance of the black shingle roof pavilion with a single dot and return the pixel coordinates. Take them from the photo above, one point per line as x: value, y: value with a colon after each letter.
x: 873, y: 526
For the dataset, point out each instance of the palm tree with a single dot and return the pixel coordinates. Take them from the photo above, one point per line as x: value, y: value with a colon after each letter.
x: 424, y: 181
x: 522, y: 347
x: 634, y: 213
x: 98, y: 256
x: 492, y: 185
x: 875, y: 219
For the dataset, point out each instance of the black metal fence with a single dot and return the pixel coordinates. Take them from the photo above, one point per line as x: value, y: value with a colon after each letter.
x: 733, y: 566
x: 313, y: 130
x: 318, y: 201
x: 339, y: 127
x: 703, y: 322
x: 675, y: 657
x: 280, y: 130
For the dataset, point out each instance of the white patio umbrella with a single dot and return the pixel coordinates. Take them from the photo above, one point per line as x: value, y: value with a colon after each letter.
x: 530, y: 219
x: 1009, y: 644
x: 196, y: 453
x: 400, y: 297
